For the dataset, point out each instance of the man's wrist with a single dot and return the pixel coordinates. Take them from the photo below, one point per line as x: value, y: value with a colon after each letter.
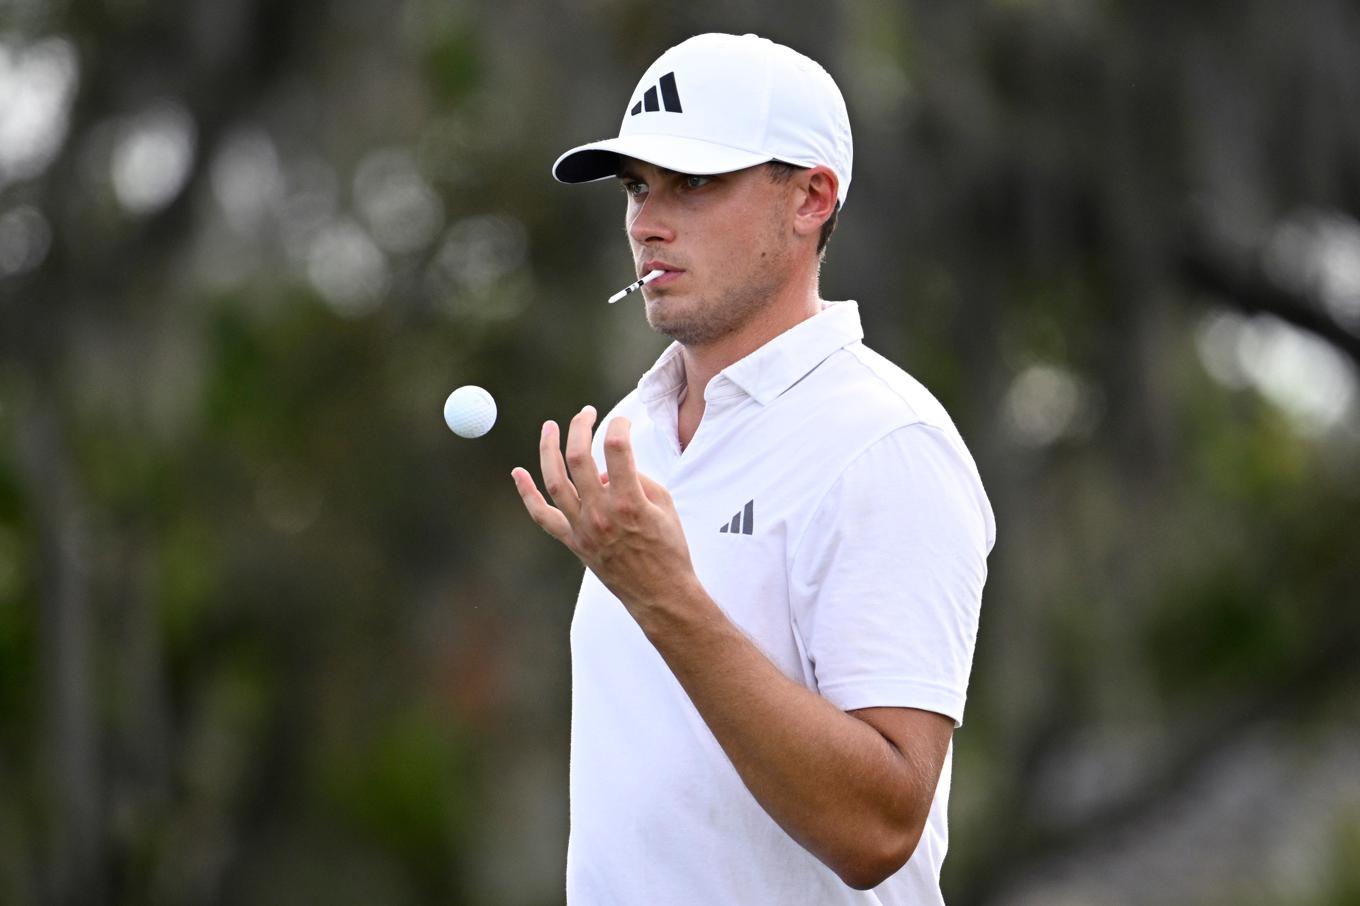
x: 681, y: 613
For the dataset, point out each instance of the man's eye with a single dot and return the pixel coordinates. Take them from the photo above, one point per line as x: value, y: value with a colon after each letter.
x: 635, y: 189
x: 696, y: 182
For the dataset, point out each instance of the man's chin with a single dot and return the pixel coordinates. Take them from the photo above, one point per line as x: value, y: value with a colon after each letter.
x: 667, y: 328
x: 686, y: 333
x: 659, y: 313
x: 668, y: 316
x: 666, y: 324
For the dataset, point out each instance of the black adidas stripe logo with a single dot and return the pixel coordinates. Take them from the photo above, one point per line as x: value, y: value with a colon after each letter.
x: 670, y: 97
x: 744, y: 523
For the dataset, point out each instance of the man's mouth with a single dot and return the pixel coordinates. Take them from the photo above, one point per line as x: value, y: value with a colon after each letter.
x: 672, y: 273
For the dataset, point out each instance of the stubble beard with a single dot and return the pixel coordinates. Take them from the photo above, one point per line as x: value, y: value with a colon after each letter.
x: 710, y: 319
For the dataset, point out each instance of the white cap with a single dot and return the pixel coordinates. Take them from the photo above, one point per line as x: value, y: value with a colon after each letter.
x: 717, y: 103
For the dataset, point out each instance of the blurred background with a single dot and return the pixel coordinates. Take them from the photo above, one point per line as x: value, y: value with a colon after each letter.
x: 271, y: 634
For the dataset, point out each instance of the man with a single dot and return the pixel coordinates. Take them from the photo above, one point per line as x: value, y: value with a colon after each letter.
x: 785, y: 537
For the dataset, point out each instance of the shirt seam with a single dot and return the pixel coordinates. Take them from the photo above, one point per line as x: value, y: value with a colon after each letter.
x: 915, y: 419
x: 802, y: 537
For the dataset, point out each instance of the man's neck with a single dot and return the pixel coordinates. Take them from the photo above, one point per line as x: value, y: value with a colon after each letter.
x: 702, y: 363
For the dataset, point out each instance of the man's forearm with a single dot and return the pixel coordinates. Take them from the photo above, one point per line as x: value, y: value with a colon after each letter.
x: 834, y: 783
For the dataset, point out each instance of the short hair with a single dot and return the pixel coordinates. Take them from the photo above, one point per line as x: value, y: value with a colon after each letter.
x: 782, y: 172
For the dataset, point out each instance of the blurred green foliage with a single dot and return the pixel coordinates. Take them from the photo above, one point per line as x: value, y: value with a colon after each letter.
x: 269, y: 633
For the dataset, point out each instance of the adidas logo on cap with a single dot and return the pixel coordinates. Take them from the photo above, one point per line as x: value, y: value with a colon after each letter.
x: 670, y: 97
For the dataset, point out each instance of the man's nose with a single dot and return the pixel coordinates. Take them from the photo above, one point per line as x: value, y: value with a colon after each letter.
x: 650, y: 222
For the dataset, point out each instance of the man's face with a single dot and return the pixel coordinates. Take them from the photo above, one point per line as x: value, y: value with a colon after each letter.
x: 727, y: 241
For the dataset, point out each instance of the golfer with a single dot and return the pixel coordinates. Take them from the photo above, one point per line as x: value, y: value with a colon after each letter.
x: 785, y: 538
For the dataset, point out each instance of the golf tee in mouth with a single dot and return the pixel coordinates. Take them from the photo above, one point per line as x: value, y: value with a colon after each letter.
x: 634, y: 287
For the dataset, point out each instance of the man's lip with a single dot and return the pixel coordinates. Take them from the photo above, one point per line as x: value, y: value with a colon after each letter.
x: 669, y: 276
x: 650, y: 266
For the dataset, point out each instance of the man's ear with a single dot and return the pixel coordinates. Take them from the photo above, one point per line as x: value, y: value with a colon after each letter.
x: 817, y: 191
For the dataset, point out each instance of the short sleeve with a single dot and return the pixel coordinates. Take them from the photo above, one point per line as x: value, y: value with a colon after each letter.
x: 886, y: 580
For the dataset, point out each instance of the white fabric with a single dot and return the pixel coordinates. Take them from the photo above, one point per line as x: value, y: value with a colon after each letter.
x: 743, y: 100
x: 861, y: 578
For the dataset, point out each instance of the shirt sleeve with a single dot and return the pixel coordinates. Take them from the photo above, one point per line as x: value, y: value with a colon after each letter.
x: 886, y: 580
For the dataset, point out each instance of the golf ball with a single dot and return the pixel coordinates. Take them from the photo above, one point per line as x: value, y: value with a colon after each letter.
x: 470, y: 411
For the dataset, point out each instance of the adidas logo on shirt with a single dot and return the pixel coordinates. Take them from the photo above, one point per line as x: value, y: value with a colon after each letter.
x: 670, y: 97
x: 744, y: 523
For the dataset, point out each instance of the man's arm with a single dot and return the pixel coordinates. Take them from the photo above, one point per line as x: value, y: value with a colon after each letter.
x: 853, y: 790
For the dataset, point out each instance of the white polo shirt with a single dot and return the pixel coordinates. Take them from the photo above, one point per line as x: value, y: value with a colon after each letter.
x: 835, y: 515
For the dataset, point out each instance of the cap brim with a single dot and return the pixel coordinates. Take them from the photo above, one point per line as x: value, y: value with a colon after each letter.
x: 601, y: 160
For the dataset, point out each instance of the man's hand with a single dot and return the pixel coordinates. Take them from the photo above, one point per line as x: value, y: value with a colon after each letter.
x: 621, y: 524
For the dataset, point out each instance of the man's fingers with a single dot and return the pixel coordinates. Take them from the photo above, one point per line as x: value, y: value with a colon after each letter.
x: 555, y: 480
x: 549, y: 518
x: 618, y: 458
x: 655, y: 491
x: 580, y: 462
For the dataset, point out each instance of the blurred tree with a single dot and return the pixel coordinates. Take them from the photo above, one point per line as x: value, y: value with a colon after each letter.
x: 268, y: 633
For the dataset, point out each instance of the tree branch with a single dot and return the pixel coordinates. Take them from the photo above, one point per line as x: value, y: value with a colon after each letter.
x: 1241, y: 282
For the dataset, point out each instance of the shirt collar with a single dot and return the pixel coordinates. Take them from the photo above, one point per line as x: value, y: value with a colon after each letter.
x: 770, y: 370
